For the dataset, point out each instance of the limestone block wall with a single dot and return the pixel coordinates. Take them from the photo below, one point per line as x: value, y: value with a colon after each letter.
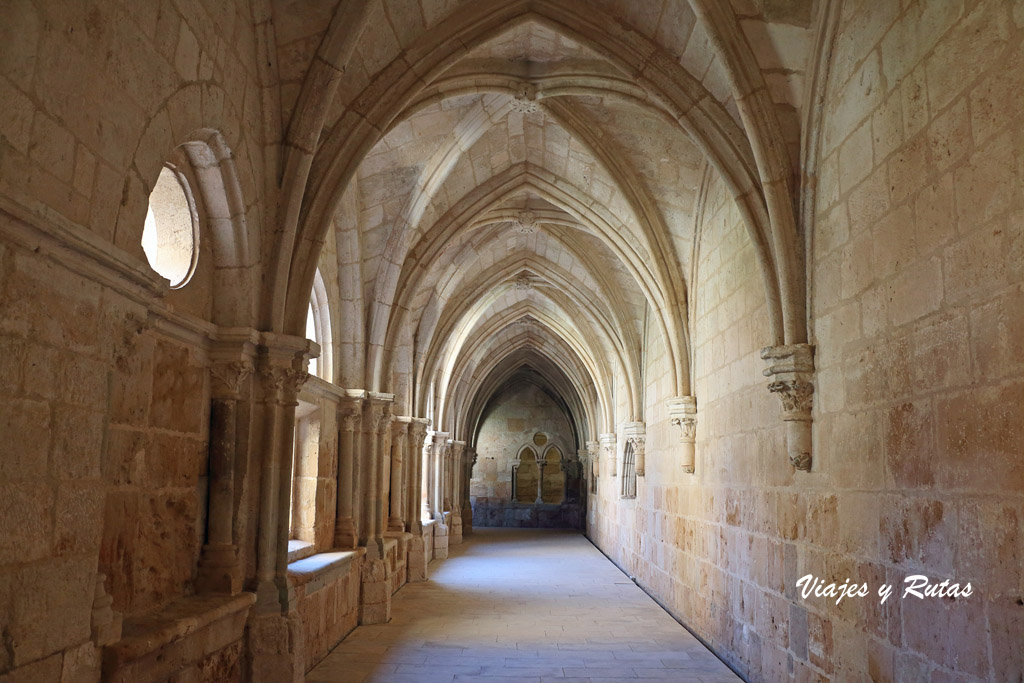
x: 315, y: 486
x: 510, y: 424
x: 327, y: 590
x: 915, y: 266
x: 105, y: 420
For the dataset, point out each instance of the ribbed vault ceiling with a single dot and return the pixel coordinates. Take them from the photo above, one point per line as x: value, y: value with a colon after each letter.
x: 526, y: 214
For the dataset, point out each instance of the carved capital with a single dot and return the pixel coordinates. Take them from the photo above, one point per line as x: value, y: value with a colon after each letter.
x: 607, y: 442
x: 226, y: 379
x: 417, y: 431
x: 796, y: 395
x: 791, y: 368
x: 801, y: 461
x: 687, y: 428
x: 378, y: 416
x: 349, y: 418
x: 282, y: 384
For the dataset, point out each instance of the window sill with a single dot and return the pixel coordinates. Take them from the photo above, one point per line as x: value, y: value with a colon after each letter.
x: 319, y: 569
x: 298, y: 550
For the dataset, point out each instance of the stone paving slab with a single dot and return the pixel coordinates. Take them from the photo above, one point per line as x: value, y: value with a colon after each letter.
x: 512, y: 605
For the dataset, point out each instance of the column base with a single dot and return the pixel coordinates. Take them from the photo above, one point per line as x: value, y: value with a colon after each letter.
x: 396, y: 524
x: 374, y: 593
x: 455, y: 529
x: 417, y: 570
x: 345, y: 536
x: 219, y: 570
x: 440, y: 540
x: 276, y: 648
x: 467, y: 518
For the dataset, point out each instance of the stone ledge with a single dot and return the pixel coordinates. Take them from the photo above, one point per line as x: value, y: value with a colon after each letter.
x: 299, y: 550
x: 177, y: 636
x: 317, y: 571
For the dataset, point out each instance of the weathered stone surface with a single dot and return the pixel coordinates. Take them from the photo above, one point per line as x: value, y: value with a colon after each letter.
x: 515, y: 229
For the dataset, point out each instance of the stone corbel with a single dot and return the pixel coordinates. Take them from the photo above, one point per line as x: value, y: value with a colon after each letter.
x: 791, y: 368
x: 682, y: 413
x: 636, y: 437
x: 608, y: 450
x: 594, y: 449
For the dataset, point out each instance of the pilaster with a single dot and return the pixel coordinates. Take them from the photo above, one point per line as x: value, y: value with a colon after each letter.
x: 232, y: 364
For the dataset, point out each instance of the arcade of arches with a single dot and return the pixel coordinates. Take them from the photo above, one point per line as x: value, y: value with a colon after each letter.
x: 294, y: 293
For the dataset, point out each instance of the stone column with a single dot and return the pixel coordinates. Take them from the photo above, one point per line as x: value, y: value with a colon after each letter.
x: 682, y: 413
x: 219, y: 568
x: 594, y: 449
x: 455, y: 479
x: 282, y: 373
x: 540, y: 482
x: 417, y: 570
x: 436, y: 494
x: 636, y: 436
x: 583, y: 456
x: 350, y: 413
x: 426, y: 473
x: 397, y: 494
x: 446, y: 476
x: 274, y: 633
x: 414, y: 464
x: 468, y: 461
x: 378, y: 419
x: 608, y: 451
x: 568, y: 470
x: 375, y: 583
x: 792, y: 370
x: 438, y: 453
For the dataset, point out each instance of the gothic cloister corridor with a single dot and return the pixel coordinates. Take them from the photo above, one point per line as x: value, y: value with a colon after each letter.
x: 303, y: 303
x: 528, y: 606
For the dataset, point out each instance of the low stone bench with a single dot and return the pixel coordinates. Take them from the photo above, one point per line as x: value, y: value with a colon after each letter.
x: 327, y: 593
x: 198, y: 637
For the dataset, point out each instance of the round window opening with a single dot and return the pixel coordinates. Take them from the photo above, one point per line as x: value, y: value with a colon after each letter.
x: 169, y: 237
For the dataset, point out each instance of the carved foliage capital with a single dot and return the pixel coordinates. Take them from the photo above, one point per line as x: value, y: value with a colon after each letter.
x: 350, y: 414
x: 638, y: 442
x: 379, y: 416
x: 227, y: 378
x: 417, y: 432
x: 796, y: 396
x: 687, y: 428
x: 282, y: 384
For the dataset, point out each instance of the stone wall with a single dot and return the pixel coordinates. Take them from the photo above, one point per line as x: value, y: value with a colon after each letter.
x: 105, y: 397
x: 527, y: 515
x: 509, y: 425
x: 917, y: 249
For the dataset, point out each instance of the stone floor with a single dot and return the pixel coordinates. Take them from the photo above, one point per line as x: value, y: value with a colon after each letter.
x: 522, y: 605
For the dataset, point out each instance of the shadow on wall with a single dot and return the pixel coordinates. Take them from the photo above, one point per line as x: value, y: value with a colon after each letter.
x: 510, y: 513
